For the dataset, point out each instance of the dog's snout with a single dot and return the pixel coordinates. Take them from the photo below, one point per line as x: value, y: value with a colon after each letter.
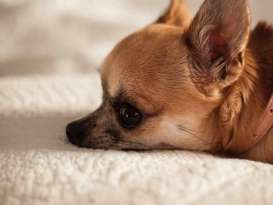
x: 75, y: 132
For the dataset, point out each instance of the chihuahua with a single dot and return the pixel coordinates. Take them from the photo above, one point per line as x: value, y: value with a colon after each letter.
x: 200, y: 84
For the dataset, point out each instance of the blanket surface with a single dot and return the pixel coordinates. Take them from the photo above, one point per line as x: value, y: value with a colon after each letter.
x: 49, y: 54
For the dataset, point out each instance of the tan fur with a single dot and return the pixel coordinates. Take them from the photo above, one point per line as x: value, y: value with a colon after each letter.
x: 177, y: 14
x: 253, y: 89
x: 203, y: 85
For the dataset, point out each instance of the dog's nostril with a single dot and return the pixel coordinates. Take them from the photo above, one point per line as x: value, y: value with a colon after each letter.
x: 75, y: 133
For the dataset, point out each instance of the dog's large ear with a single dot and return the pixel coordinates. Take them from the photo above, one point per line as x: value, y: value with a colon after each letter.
x: 217, y: 38
x: 177, y: 14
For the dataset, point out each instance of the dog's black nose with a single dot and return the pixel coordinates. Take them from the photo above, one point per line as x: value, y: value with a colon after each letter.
x: 75, y: 132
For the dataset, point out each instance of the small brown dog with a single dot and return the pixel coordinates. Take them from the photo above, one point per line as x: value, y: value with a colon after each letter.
x: 196, y: 84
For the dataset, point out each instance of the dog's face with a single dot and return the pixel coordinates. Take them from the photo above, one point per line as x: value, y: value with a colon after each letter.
x: 162, y: 85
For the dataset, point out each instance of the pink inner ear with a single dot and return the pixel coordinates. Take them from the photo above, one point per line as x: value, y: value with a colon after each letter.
x: 217, y: 46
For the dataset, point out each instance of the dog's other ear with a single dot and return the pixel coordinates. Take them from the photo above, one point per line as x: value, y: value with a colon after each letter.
x: 217, y: 37
x: 177, y: 14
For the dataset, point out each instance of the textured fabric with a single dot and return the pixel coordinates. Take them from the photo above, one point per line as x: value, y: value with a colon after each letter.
x: 39, y: 167
x: 49, y: 51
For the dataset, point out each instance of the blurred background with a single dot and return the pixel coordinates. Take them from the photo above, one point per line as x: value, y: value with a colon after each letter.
x: 60, y: 36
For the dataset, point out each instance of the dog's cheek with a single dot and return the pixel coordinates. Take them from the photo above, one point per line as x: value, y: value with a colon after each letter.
x: 172, y: 132
x: 163, y: 131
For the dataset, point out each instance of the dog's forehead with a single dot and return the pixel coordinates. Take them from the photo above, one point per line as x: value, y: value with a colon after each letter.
x: 144, y: 60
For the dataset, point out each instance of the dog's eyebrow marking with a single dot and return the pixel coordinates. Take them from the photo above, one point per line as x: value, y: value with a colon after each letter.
x: 144, y: 104
x: 122, y: 97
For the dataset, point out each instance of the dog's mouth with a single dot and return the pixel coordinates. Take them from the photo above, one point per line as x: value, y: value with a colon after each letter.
x: 106, y: 143
x: 112, y: 140
x: 79, y: 135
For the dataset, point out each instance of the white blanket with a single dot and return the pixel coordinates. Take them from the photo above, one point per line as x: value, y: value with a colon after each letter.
x: 39, y: 167
x: 45, y: 82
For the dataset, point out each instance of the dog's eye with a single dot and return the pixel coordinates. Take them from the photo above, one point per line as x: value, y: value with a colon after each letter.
x: 129, y: 116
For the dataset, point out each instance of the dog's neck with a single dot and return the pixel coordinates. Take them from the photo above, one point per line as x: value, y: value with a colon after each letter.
x: 249, y: 97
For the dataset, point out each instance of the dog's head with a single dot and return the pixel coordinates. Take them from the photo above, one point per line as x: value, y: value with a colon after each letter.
x: 163, y: 85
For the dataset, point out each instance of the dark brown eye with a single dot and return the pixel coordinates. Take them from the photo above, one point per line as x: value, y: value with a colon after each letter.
x: 129, y: 116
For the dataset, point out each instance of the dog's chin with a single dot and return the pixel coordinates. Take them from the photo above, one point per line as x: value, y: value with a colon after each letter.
x: 128, y: 146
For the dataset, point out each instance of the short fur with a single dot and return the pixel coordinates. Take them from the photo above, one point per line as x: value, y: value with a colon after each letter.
x: 202, y: 84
